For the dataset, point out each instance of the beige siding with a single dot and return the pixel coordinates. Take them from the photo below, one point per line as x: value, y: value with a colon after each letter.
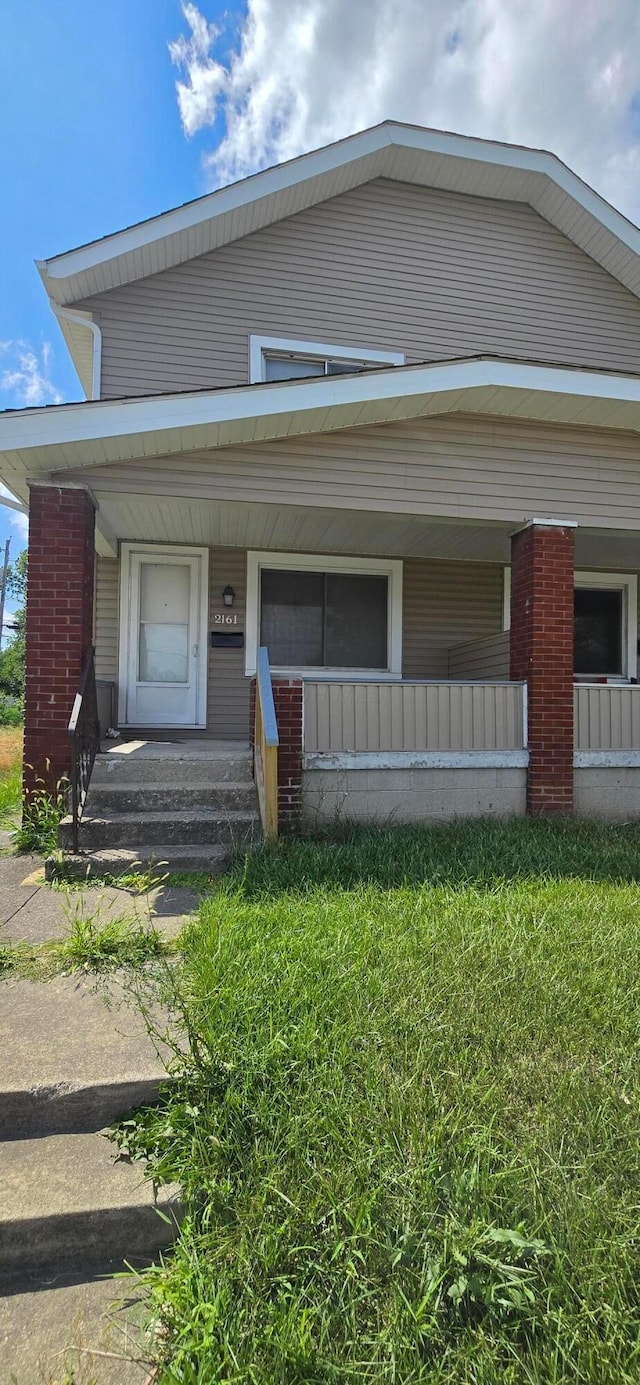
x: 388, y: 265
x: 444, y: 604
x: 607, y: 717
x: 372, y: 717
x: 106, y: 618
x: 459, y: 466
x: 488, y: 658
x: 228, y: 689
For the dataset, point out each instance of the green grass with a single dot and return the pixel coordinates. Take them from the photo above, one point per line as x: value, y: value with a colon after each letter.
x: 409, y: 1130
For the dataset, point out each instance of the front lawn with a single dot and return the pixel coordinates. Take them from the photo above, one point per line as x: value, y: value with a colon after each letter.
x: 410, y: 1134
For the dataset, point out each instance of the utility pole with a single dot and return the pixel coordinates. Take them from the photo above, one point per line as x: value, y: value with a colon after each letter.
x: 3, y: 589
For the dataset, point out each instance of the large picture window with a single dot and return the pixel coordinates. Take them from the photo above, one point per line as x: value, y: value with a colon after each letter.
x: 324, y: 619
x: 328, y: 615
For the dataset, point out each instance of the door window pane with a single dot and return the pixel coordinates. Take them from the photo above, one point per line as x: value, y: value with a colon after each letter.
x: 318, y: 620
x: 163, y: 646
x: 598, y: 631
x: 356, y: 621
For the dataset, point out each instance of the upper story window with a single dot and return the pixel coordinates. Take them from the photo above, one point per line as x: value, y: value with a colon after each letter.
x: 279, y: 358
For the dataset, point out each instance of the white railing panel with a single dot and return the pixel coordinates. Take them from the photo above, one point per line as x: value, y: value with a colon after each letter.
x: 369, y: 717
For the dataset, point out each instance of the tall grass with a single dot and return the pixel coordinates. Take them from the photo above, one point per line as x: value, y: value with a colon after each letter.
x: 409, y: 1130
x: 10, y: 773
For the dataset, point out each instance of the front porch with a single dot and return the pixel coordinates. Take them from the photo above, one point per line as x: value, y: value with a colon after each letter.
x: 406, y: 687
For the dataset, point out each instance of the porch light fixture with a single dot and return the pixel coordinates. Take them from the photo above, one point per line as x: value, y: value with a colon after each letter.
x: 228, y: 595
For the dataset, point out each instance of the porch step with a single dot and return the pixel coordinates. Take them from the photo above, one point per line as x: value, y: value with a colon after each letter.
x: 69, y: 1204
x: 195, y: 827
x: 182, y: 763
x: 162, y: 859
x: 104, y: 799
x: 187, y: 803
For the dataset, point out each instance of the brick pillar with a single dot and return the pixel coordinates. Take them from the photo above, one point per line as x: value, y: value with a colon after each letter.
x: 287, y: 695
x: 542, y: 582
x: 59, y: 623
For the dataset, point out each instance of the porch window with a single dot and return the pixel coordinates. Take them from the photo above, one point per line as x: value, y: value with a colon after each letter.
x: 324, y: 619
x: 332, y: 614
x: 597, y: 628
x: 290, y: 367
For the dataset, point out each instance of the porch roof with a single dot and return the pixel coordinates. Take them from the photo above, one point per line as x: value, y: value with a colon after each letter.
x: 37, y: 442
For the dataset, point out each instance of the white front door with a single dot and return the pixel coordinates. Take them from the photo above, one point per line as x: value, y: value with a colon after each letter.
x: 163, y: 636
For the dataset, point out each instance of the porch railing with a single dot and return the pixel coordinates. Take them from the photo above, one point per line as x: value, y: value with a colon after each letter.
x: 84, y: 742
x: 266, y: 748
x: 430, y: 716
x: 606, y: 717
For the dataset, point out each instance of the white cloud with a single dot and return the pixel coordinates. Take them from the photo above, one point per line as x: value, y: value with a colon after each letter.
x: 25, y: 376
x: 558, y: 74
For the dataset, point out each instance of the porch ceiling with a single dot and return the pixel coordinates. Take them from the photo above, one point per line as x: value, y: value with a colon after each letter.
x: 297, y: 529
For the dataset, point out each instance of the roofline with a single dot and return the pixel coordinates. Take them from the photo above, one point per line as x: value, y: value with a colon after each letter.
x: 327, y: 159
x: 73, y: 424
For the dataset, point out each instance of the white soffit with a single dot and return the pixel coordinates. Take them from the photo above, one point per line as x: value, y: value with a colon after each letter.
x: 408, y: 153
x: 69, y: 436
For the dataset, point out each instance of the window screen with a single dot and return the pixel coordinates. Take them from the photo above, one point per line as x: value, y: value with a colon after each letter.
x: 597, y: 631
x: 324, y: 620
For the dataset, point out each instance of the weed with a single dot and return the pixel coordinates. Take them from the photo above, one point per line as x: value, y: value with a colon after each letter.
x: 42, y: 812
x: 93, y: 945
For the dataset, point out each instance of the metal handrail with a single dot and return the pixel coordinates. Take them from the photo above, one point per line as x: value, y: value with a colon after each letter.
x: 265, y: 688
x: 84, y: 741
x: 265, y: 747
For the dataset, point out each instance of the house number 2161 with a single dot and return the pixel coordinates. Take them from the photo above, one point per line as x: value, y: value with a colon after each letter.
x: 222, y: 619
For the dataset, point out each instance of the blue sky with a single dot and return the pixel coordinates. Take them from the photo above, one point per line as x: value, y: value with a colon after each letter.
x: 91, y: 141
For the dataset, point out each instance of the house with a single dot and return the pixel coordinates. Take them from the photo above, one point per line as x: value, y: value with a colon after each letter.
x: 375, y: 411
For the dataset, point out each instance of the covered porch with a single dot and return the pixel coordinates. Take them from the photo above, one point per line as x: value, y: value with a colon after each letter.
x: 439, y: 722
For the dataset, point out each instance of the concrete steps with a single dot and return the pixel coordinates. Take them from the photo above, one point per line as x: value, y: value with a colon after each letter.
x: 162, y: 858
x: 69, y: 1204
x: 187, y: 803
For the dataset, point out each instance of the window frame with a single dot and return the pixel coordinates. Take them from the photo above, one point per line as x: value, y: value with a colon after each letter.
x: 391, y: 568
x: 627, y: 583
x: 260, y: 347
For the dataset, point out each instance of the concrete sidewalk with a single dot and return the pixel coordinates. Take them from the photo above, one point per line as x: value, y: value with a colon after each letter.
x: 32, y: 912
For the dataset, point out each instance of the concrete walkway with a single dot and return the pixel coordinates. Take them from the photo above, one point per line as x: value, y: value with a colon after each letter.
x: 32, y: 912
x: 76, y: 1056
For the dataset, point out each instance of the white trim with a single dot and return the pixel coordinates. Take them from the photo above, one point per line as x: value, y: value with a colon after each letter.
x: 552, y: 523
x: 201, y: 411
x: 260, y: 346
x: 539, y: 165
x: 85, y: 320
x: 606, y: 759
x: 416, y: 759
x: 627, y: 583
x: 124, y: 617
x: 319, y: 562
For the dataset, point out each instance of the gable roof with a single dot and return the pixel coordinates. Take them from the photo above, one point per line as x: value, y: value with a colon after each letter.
x: 406, y: 153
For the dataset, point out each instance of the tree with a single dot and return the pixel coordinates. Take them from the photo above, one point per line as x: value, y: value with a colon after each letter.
x: 12, y: 658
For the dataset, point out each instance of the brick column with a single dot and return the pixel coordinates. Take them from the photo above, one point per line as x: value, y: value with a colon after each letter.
x: 542, y: 582
x: 59, y: 623
x: 287, y: 695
